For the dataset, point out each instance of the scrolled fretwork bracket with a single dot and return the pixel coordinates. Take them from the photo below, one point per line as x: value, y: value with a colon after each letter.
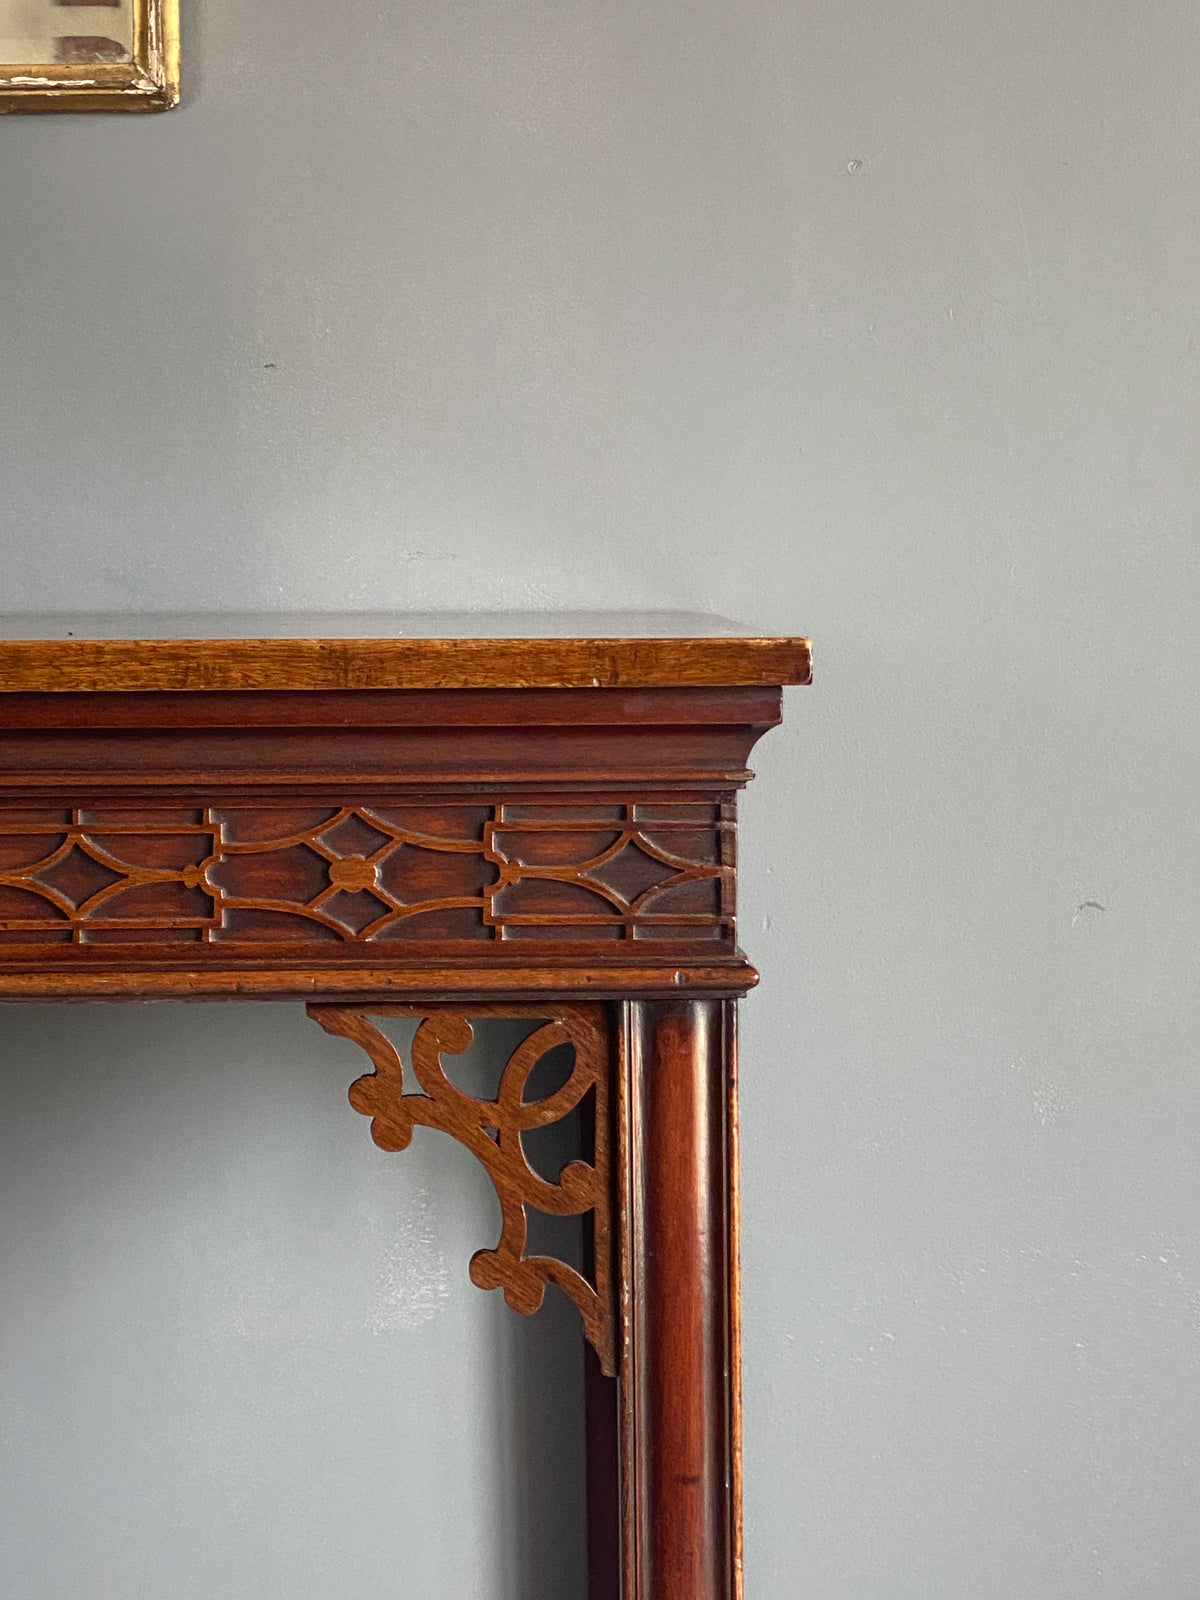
x: 492, y: 1130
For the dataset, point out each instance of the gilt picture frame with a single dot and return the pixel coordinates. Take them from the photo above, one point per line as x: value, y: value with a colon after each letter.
x: 89, y: 55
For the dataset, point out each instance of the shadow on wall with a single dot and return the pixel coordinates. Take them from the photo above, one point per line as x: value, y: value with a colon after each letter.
x: 239, y: 1351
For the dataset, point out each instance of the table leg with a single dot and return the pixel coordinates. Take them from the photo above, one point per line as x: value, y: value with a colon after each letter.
x: 679, y: 1380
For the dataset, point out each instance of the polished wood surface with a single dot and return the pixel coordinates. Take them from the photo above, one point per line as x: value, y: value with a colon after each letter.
x: 492, y: 1130
x: 535, y: 827
x: 680, y: 1320
x: 367, y: 874
x: 52, y: 666
x: 216, y: 842
x: 493, y: 976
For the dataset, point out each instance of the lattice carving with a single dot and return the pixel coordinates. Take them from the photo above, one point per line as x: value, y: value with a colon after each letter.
x: 242, y: 873
x: 492, y: 1130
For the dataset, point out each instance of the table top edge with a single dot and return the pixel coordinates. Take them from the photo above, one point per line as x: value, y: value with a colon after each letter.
x: 82, y: 665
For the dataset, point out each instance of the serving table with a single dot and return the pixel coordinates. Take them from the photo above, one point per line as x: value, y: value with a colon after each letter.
x: 448, y: 818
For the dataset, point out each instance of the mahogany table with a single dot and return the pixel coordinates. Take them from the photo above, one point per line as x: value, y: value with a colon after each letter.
x: 449, y: 818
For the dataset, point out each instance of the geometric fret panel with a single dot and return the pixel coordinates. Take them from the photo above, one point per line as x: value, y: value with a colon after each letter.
x: 237, y: 874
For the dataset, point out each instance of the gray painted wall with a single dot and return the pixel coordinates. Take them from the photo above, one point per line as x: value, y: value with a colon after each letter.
x: 876, y: 320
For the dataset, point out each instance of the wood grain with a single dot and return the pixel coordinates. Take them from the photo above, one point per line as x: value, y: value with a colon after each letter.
x: 129, y: 665
x: 272, y: 978
x: 492, y: 1130
x: 247, y: 875
x: 679, y: 1320
x: 453, y: 828
x: 221, y: 833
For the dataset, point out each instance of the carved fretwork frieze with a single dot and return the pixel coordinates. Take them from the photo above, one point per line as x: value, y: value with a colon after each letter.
x: 492, y: 1130
x: 240, y: 874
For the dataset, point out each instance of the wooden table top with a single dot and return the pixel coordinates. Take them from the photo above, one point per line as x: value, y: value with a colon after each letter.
x: 432, y: 650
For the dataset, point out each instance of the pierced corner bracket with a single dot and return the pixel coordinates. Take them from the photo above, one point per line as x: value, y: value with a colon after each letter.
x: 492, y: 1129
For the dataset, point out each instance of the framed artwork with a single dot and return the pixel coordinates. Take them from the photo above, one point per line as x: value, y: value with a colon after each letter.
x: 89, y: 55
